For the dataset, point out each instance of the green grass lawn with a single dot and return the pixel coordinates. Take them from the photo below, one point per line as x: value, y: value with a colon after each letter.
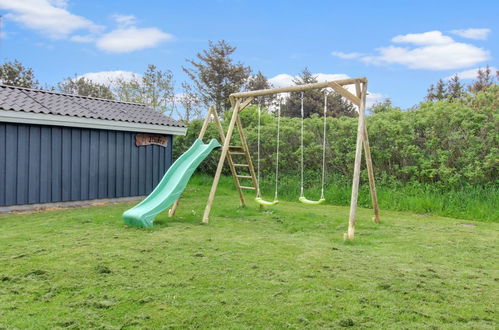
x: 284, y: 267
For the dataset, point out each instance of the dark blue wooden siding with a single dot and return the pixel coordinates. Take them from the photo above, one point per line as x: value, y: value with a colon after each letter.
x: 42, y: 164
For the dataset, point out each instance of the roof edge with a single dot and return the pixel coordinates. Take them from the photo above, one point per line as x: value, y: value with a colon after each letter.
x: 21, y: 117
x: 72, y: 95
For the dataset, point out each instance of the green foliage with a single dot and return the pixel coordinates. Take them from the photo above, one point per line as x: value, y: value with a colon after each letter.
x: 484, y: 80
x: 444, y: 143
x: 16, y: 74
x: 464, y: 202
x: 259, y: 81
x: 154, y: 89
x: 85, y: 87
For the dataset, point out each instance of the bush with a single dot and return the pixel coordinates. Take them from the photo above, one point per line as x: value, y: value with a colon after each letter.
x: 443, y: 143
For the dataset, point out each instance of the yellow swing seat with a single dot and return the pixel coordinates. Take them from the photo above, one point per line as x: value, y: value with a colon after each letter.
x: 304, y: 200
x: 263, y: 202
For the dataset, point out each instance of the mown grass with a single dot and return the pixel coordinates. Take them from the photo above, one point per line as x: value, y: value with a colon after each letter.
x: 284, y: 267
x: 465, y: 202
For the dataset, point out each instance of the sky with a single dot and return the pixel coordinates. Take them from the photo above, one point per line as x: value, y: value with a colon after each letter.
x: 400, y: 46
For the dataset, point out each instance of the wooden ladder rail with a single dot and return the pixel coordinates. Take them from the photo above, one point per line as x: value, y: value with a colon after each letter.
x: 237, y: 106
x: 244, y: 144
x: 218, y: 124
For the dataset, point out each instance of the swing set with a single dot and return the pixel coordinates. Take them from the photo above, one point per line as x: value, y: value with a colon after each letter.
x: 240, y: 101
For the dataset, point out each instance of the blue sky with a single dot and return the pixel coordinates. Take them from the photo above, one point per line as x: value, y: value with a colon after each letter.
x: 400, y: 46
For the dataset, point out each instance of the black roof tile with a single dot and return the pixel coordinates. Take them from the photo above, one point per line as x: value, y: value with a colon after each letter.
x: 38, y: 101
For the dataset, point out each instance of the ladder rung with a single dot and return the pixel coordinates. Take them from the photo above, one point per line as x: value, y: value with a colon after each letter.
x: 241, y: 165
x: 248, y: 188
x: 244, y: 176
x: 237, y: 153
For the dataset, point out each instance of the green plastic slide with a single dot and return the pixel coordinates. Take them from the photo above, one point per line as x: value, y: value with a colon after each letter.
x: 170, y: 187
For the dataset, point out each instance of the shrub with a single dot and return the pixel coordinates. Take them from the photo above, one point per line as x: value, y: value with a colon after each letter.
x: 443, y: 143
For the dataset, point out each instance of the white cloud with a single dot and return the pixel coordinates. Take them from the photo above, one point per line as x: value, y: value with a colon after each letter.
x: 477, y: 34
x: 282, y: 80
x: 107, y: 77
x: 435, y: 57
x: 124, y: 40
x: 330, y: 76
x: 373, y: 98
x: 50, y: 18
x: 125, y: 20
x: 346, y: 56
x: 426, y: 38
x: 470, y: 74
x: 428, y: 50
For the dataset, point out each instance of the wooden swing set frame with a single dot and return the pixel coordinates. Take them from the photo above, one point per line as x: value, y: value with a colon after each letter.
x: 240, y: 101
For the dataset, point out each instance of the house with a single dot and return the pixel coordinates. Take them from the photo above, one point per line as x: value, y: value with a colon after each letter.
x: 57, y: 147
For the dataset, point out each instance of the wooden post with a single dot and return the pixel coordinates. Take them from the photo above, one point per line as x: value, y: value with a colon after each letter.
x: 230, y: 161
x: 206, y: 122
x: 225, y: 149
x: 356, y: 170
x: 171, y: 212
x: 370, y: 174
x: 369, y: 165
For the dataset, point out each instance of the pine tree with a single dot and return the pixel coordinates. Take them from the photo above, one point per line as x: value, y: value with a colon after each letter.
x: 313, y: 100
x: 485, y: 79
x: 257, y: 82
x: 440, y: 90
x: 430, y: 94
x: 455, y: 90
x: 216, y: 76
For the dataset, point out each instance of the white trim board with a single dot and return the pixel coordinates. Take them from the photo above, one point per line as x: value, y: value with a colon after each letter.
x: 20, y: 117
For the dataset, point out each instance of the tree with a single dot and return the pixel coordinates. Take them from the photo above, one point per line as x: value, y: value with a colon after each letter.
x: 485, y: 79
x: 84, y: 87
x: 455, y: 90
x: 158, y: 89
x: 383, y: 106
x: 257, y: 82
x: 216, y: 76
x: 154, y: 89
x: 16, y: 74
x: 313, y: 100
x: 438, y: 92
x: 128, y: 90
x: 190, y: 103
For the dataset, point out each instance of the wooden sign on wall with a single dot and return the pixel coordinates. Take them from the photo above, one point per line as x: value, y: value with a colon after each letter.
x: 148, y: 139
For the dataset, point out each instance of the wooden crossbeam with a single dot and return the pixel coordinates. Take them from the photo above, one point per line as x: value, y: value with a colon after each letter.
x: 297, y: 88
x: 345, y: 93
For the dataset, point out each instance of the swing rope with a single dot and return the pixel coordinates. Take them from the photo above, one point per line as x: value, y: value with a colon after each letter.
x: 258, y: 198
x: 277, y: 149
x: 258, y: 149
x: 324, y: 146
x: 301, y: 141
x: 302, y: 198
